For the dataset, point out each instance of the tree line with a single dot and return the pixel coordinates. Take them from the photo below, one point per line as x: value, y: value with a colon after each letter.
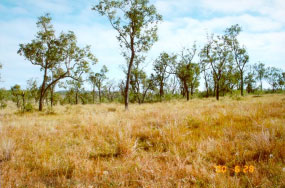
x: 222, y: 64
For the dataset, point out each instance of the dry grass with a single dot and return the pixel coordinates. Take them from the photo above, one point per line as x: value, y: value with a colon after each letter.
x: 173, y: 144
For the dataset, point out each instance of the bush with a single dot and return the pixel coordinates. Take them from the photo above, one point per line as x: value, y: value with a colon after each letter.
x: 29, y: 107
x: 3, y: 105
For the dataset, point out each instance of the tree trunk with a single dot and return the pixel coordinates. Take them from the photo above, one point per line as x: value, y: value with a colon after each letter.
x: 207, y: 88
x: 218, y: 90
x: 192, y: 88
x: 51, y: 96
x: 99, y: 95
x: 186, y: 91
x: 128, y: 81
x: 42, y: 91
x: 161, y: 91
x: 93, y: 94
x: 76, y: 97
x: 241, y: 82
x: 215, y: 88
x: 129, y: 71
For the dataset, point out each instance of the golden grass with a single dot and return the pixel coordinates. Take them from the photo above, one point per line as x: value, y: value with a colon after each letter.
x: 170, y: 144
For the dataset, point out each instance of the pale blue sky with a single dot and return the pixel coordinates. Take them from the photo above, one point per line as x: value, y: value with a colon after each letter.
x: 185, y: 21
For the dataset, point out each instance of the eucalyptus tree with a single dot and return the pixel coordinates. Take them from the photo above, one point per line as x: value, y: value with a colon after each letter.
x: 161, y: 67
x: 281, y: 80
x: 20, y: 96
x: 272, y: 75
x: 75, y: 87
x: 110, y: 90
x: 97, y: 79
x: 136, y: 23
x: 249, y: 80
x: 230, y: 78
x: 138, y: 76
x: 187, y: 71
x: 58, y: 55
x: 239, y: 53
x: 205, y: 69
x: 217, y: 54
x: 4, y: 95
x: 16, y: 92
x: 260, y: 72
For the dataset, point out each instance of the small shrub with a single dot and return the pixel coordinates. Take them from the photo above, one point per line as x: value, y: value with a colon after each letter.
x: 3, y: 105
x: 6, y: 149
x: 50, y: 111
x: 112, y: 109
x: 29, y: 107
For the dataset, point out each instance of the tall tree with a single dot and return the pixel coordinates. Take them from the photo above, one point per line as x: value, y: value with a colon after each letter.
x: 239, y: 53
x: 136, y: 24
x: 161, y: 66
x: 59, y: 55
x: 216, y: 53
x: 260, y: 72
x: 187, y: 71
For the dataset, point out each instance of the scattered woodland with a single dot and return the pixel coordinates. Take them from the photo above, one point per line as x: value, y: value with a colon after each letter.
x: 149, y: 129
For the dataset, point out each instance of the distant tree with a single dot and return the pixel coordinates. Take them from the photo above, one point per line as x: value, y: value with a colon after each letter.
x: 97, y: 80
x: 281, y: 80
x: 260, y: 72
x: 217, y: 54
x: 272, y: 75
x: 75, y: 86
x: 240, y: 55
x: 230, y: 78
x: 162, y: 68
x: 136, y: 23
x: 110, y: 90
x: 3, y: 98
x: 249, y: 80
x: 138, y: 77
x: 20, y: 97
x: 187, y: 71
x: 58, y: 55
x: 16, y: 92
x: 32, y: 86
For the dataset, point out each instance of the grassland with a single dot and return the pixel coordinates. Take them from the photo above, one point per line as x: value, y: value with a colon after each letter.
x: 169, y: 144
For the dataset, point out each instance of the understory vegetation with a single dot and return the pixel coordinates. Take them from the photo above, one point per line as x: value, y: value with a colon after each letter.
x: 169, y: 144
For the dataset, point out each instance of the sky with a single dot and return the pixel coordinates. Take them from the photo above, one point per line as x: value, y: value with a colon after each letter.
x: 184, y: 22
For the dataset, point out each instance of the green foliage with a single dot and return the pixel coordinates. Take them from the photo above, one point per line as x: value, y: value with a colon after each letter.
x: 97, y: 79
x: 260, y: 72
x: 274, y: 77
x: 3, y: 98
x: 56, y: 56
x: 136, y: 23
x: 29, y: 107
x: 162, y: 68
x: 239, y: 53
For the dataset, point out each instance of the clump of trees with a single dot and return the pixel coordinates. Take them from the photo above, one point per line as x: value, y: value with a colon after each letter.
x: 58, y: 57
x: 222, y: 64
